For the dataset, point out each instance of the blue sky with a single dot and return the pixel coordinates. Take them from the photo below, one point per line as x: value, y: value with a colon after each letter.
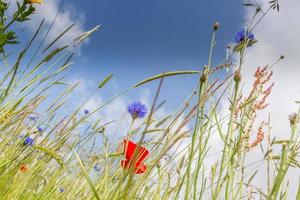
x: 141, y: 38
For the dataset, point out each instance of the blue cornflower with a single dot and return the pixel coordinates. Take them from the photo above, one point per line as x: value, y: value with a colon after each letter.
x: 242, y: 35
x: 61, y: 189
x: 96, y: 168
x: 137, y: 110
x: 86, y: 111
x: 28, y: 141
x: 40, y: 129
x: 33, y: 118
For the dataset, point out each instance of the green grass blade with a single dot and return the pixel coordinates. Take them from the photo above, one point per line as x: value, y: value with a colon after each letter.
x: 166, y: 74
x: 87, y: 177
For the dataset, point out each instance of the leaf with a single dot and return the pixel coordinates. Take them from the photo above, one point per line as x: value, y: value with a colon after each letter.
x: 105, y: 80
x: 111, y: 155
x: 78, y: 40
x: 160, y: 105
x: 53, y: 53
x: 252, y: 177
x: 87, y: 177
x: 166, y: 74
x: 153, y: 130
x: 247, y: 102
x: 281, y: 142
x: 241, y: 45
x: 248, y: 4
x: 64, y: 67
x: 59, y: 83
x: 298, y: 193
x: 51, y: 153
x: 30, y: 83
x: 58, y: 37
x: 267, y: 153
x: 162, y: 121
x: 3, y: 164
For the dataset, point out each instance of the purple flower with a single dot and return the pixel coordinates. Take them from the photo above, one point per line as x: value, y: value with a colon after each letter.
x: 28, y: 141
x: 242, y: 35
x: 96, y: 168
x: 40, y: 129
x: 137, y: 110
x: 61, y: 189
x: 33, y: 118
x: 86, y: 111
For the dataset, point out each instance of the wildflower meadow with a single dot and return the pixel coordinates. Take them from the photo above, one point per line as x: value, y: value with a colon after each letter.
x: 213, y: 146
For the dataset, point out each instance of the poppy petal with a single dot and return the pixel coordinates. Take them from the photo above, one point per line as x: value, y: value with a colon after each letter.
x: 129, y: 148
x: 125, y: 164
x: 143, y: 153
x: 140, y: 169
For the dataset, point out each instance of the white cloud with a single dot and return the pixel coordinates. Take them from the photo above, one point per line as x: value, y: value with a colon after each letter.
x: 278, y: 34
x: 48, y: 10
x: 116, y: 112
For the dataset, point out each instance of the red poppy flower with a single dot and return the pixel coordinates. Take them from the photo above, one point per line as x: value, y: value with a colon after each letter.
x: 129, y: 149
x: 23, y: 168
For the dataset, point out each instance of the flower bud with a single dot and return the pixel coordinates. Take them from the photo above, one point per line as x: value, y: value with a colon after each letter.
x: 293, y: 119
x: 216, y: 26
x: 237, y: 76
x: 203, y: 78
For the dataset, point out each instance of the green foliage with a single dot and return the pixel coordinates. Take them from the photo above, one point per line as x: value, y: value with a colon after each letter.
x: 23, y: 13
x: 66, y: 160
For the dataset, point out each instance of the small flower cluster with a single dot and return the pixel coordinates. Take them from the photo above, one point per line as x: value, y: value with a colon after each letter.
x: 262, y: 77
x: 257, y: 99
x: 259, y: 137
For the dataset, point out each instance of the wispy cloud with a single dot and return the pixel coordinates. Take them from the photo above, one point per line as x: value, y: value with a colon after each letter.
x: 116, y: 111
x: 67, y: 16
